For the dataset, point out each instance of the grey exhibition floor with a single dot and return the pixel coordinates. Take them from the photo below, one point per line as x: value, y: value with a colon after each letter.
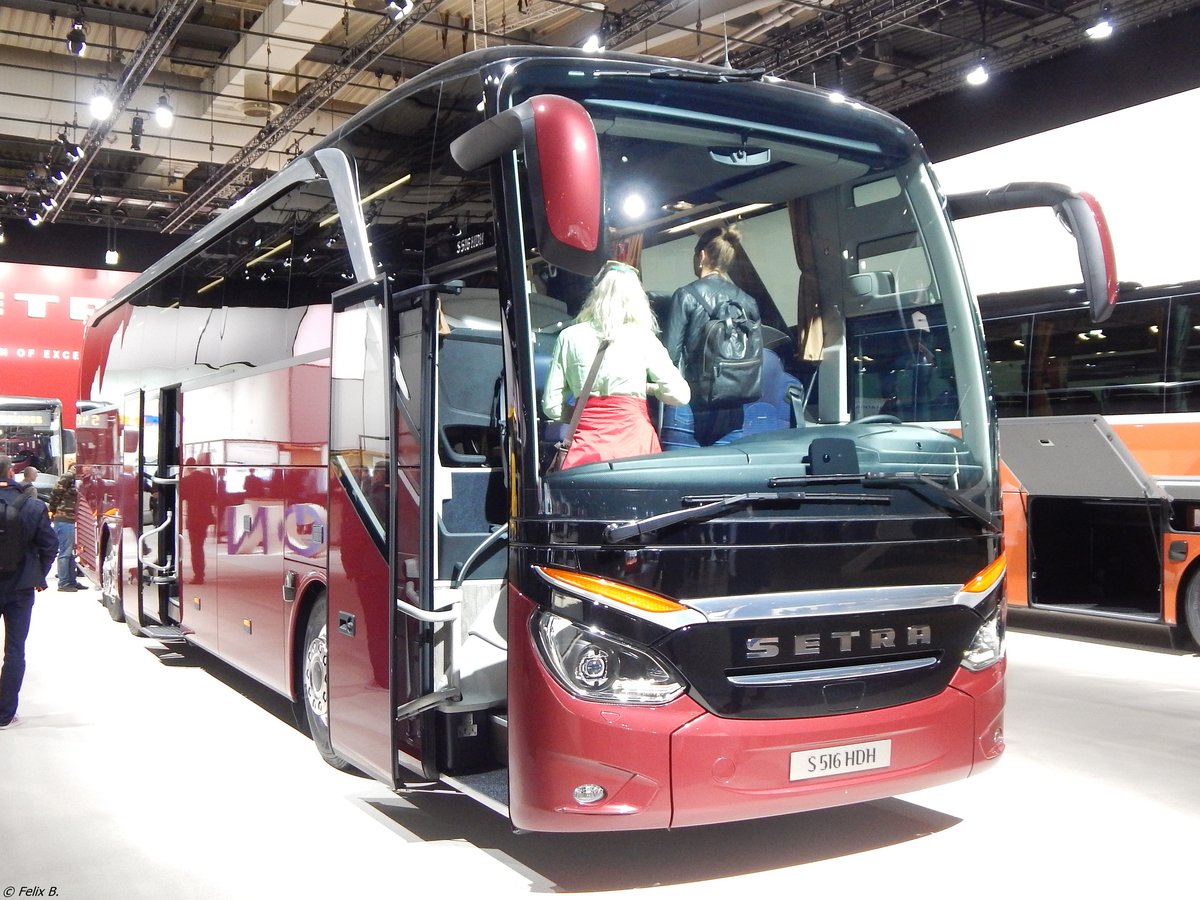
x: 138, y: 772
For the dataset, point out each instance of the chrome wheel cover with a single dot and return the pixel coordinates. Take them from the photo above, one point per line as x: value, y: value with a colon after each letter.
x: 316, y: 677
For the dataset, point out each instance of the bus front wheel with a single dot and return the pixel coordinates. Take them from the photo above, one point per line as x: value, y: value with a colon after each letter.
x: 314, y: 683
x: 110, y: 583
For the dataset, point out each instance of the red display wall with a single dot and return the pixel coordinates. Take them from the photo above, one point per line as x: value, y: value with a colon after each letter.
x: 42, y: 311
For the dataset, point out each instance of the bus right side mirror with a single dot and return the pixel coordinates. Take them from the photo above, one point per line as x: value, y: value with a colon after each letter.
x: 1081, y: 214
x: 562, y: 157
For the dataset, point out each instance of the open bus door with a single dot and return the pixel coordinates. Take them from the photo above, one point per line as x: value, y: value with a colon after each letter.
x: 147, y: 495
x: 380, y: 671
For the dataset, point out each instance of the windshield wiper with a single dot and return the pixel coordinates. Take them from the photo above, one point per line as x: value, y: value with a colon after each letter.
x: 617, y: 532
x: 687, y: 75
x: 915, y: 480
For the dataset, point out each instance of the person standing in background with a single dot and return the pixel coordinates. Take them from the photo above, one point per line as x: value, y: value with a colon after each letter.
x: 63, y: 500
x: 692, y: 307
x: 29, y: 480
x: 25, y: 559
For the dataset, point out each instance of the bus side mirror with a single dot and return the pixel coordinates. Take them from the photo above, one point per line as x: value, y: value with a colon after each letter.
x: 562, y: 157
x: 1081, y: 214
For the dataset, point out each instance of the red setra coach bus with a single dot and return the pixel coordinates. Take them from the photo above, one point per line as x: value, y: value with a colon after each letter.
x: 322, y: 456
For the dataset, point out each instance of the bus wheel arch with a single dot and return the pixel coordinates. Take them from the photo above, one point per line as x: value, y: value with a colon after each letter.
x: 311, y: 706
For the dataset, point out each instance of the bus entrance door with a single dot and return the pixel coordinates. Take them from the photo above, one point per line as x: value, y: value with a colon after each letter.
x: 378, y: 660
x: 150, y: 473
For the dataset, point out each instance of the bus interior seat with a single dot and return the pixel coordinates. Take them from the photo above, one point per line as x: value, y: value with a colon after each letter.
x: 782, y: 401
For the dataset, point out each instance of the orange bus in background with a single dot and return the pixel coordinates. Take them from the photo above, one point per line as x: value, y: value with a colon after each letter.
x: 1100, y: 436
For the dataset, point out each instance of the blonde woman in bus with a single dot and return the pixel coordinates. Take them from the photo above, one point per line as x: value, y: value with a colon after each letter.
x: 614, y: 422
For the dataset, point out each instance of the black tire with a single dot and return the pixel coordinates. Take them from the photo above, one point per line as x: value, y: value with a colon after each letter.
x: 1191, y: 609
x: 110, y: 581
x: 314, y: 683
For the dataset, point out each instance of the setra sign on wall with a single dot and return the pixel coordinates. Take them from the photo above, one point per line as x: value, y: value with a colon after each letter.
x: 42, y: 311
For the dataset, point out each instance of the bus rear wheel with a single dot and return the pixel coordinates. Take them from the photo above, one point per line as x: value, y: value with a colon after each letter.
x: 314, y: 683
x: 1191, y: 608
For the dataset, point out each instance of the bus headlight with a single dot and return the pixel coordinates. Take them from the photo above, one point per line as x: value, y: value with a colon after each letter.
x: 987, y: 647
x: 597, y: 666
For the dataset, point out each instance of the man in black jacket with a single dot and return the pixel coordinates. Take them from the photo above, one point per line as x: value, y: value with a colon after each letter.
x: 17, y: 587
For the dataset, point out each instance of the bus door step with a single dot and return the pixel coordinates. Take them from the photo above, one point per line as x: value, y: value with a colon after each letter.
x: 167, y: 633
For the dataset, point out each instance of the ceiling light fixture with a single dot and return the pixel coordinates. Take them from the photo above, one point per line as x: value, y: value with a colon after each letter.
x: 1103, y: 26
x: 77, y: 36
x: 399, y: 11
x: 978, y: 75
x: 164, y: 113
x: 101, y: 105
x: 70, y: 149
x: 111, y: 256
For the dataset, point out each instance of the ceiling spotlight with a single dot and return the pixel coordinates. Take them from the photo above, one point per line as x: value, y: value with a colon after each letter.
x: 164, y: 113
x: 70, y: 148
x: 931, y: 17
x: 399, y: 10
x: 592, y: 44
x: 101, y: 105
x: 851, y: 54
x: 77, y: 37
x: 35, y: 220
x: 57, y: 175
x: 1103, y: 26
x: 136, y: 129
x: 978, y: 75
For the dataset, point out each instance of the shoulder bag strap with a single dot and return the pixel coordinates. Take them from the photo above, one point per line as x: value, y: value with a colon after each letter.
x: 583, y: 395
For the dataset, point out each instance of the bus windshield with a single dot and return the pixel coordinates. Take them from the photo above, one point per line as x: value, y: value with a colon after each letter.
x: 872, y: 340
x: 29, y: 433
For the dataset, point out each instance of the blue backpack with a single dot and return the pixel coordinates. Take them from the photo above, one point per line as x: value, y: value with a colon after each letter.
x: 12, y: 535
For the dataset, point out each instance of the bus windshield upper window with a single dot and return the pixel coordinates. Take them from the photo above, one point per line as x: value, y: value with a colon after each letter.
x: 841, y: 243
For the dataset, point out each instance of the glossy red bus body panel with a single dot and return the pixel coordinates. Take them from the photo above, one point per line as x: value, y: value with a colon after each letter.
x: 677, y: 765
x: 360, y: 701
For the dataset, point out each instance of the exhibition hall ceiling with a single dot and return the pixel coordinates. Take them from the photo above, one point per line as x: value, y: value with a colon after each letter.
x: 251, y: 83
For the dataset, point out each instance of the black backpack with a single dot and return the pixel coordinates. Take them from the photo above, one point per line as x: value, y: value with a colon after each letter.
x: 729, y: 362
x: 12, y: 535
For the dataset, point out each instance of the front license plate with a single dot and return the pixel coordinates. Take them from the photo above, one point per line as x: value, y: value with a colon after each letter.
x: 840, y: 760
